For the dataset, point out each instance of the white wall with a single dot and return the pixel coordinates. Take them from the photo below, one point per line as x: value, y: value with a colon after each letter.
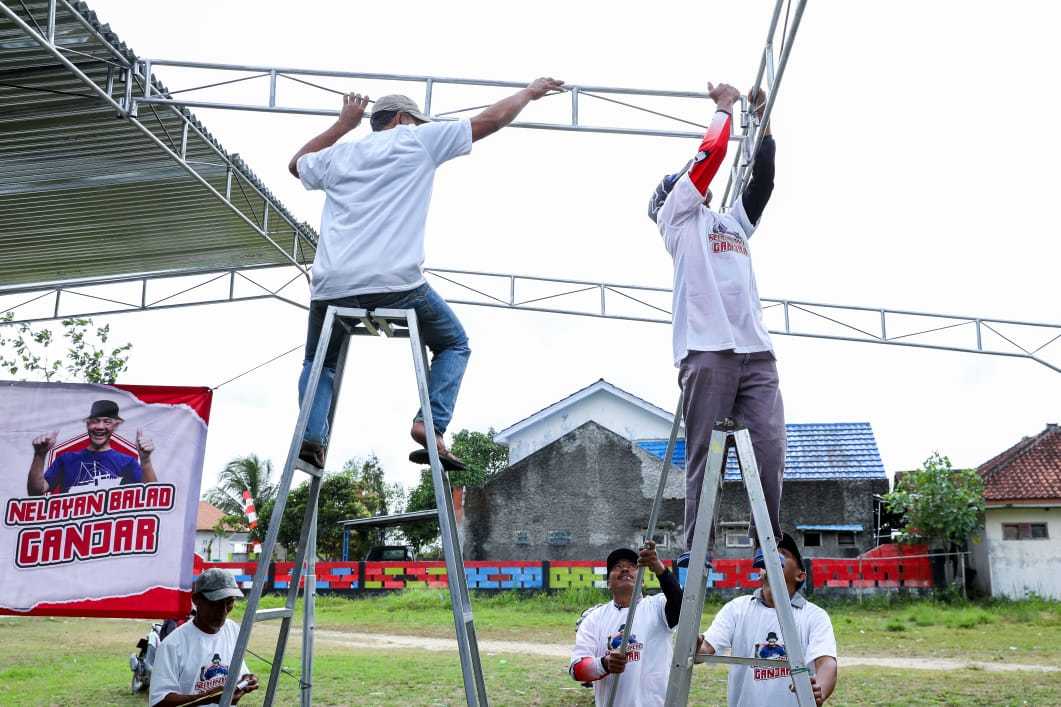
x: 1022, y: 567
x: 222, y: 548
x: 615, y: 414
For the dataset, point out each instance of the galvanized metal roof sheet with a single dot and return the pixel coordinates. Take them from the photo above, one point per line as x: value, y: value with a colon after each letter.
x: 837, y: 450
x: 84, y: 193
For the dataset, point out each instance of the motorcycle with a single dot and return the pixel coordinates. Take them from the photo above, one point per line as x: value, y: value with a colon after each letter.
x: 143, y: 660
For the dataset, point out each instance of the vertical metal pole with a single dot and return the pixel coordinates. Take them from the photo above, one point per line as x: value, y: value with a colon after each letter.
x: 127, y: 101
x: 430, y: 84
x: 110, y: 80
x: 788, y: 329
x: 602, y: 299
x: 272, y: 88
x: 273, y: 532
x: 184, y: 141
x: 143, y: 294
x: 574, y: 106
x: 512, y: 290
x: 653, y: 519
x: 681, y: 670
x: 265, y: 217
x: 58, y: 291
x: 467, y: 646
x: 147, y: 78
x: 51, y: 21
x: 228, y: 184
x: 979, y: 340
x: 883, y: 327
x: 309, y: 622
x: 775, y: 577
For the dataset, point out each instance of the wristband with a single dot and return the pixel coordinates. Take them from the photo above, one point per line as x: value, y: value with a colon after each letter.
x: 603, y: 666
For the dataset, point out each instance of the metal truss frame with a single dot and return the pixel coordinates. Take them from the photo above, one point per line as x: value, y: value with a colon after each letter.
x: 584, y: 298
x: 425, y: 84
x: 127, y: 75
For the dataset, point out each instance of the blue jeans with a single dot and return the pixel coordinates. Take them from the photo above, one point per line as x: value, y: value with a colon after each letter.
x: 439, y: 329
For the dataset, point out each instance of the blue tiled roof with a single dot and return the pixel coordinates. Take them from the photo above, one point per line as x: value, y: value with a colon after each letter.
x: 830, y: 450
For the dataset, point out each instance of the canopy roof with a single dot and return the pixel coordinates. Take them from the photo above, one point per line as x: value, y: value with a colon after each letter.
x: 90, y: 191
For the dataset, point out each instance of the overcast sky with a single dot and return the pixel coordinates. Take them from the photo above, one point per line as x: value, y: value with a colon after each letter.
x: 914, y: 172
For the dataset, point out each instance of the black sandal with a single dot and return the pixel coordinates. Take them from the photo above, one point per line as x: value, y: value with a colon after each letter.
x: 449, y: 462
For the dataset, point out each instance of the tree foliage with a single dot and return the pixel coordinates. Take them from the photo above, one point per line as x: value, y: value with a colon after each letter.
x: 357, y: 491
x: 249, y: 473
x: 483, y: 458
x: 938, y: 503
x: 89, y: 357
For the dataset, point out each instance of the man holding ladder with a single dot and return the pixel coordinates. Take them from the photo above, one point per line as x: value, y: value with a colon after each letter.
x: 721, y: 347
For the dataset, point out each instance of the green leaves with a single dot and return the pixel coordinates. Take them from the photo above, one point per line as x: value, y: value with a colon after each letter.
x: 87, y: 359
x: 937, y: 502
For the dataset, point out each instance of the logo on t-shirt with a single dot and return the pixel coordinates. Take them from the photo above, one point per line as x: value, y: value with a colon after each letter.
x: 771, y: 649
x: 725, y: 240
x: 211, y: 676
x: 633, y: 646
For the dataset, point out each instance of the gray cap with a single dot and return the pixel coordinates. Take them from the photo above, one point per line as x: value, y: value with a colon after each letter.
x: 216, y: 584
x: 400, y: 104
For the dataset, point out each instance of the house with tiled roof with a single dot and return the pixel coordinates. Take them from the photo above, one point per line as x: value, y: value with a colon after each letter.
x: 214, y: 542
x: 1019, y: 553
x: 583, y: 473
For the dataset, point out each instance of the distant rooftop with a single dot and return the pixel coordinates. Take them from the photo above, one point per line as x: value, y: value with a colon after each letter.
x: 829, y: 450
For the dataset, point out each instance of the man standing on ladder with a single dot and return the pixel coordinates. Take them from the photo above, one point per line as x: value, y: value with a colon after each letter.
x: 748, y: 626
x: 721, y: 347
x: 371, y: 249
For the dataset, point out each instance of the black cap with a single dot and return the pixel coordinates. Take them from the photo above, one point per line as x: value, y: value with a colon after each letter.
x: 104, y: 408
x: 623, y: 553
x: 787, y: 543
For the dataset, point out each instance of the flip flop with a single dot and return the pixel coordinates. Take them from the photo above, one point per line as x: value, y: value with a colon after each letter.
x: 449, y: 463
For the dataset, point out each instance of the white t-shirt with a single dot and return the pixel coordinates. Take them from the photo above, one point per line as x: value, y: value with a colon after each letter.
x: 190, y: 661
x: 648, y: 657
x: 716, y: 302
x: 748, y: 628
x: 377, y: 191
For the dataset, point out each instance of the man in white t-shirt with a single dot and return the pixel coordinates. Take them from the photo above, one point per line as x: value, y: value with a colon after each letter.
x: 193, y: 661
x: 644, y: 667
x: 721, y: 347
x: 371, y: 250
x: 748, y: 627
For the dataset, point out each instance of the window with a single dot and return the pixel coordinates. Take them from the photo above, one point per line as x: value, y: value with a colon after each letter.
x: 812, y: 538
x: 1024, y: 531
x: 664, y: 537
x: 738, y: 539
x: 559, y: 537
x: 845, y: 538
x: 522, y: 537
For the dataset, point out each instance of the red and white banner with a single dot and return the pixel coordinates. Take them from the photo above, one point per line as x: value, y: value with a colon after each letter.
x: 100, y: 490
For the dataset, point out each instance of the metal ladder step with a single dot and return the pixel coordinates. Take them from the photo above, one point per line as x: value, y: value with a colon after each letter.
x: 738, y: 660
x: 310, y: 469
x: 272, y: 614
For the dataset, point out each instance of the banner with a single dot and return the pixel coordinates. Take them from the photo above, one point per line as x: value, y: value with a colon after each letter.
x: 100, y: 491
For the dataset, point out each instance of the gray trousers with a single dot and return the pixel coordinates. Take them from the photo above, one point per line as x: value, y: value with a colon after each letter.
x: 720, y: 384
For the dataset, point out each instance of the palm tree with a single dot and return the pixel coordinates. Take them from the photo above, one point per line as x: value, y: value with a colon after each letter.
x: 248, y: 473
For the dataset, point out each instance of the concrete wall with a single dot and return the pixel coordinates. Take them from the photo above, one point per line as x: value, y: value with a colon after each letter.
x: 592, y: 491
x: 1021, y: 567
x: 577, y: 499
x: 818, y: 502
x: 604, y: 408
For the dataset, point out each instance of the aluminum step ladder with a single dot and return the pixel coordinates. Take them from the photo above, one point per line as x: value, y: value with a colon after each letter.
x: 391, y: 323
x: 725, y: 432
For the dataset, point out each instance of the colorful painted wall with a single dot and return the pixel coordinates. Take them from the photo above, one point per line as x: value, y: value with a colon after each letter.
x: 881, y: 571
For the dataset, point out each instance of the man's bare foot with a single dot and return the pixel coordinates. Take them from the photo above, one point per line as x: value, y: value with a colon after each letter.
x: 419, y: 434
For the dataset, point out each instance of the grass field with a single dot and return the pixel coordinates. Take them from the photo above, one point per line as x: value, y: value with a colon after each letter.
x: 84, y: 661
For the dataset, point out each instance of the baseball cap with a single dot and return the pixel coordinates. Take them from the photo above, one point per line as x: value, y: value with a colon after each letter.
x: 623, y: 553
x: 787, y: 543
x: 401, y: 104
x: 663, y: 189
x: 216, y: 584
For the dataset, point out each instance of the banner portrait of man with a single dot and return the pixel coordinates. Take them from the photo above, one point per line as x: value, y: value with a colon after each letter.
x: 100, y: 488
